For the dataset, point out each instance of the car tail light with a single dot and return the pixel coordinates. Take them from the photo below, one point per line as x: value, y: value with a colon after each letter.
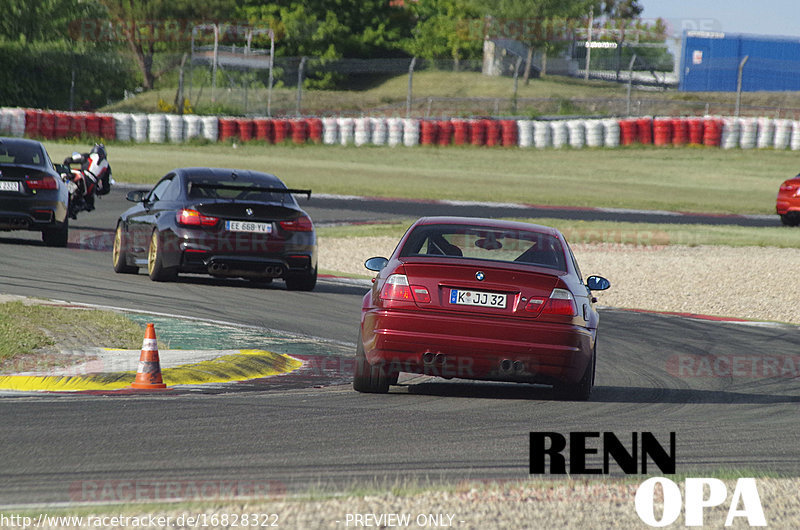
x: 187, y: 217
x: 560, y: 302
x: 398, y: 288
x: 787, y: 187
x: 42, y: 183
x: 301, y: 224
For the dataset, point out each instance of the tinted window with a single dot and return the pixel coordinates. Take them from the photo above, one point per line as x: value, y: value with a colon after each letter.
x: 248, y: 188
x: 160, y: 190
x: 477, y: 242
x: 29, y: 154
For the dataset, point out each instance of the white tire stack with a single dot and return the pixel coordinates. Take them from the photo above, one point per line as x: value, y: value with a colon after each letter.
x: 174, y: 128
x: 330, y: 131
x: 577, y: 133
x: 379, y: 131
x: 795, y: 142
x: 363, y: 129
x: 123, y: 126
x: 139, y: 124
x: 783, y: 133
x: 410, y: 132
x: 766, y: 133
x: 210, y: 128
x: 731, y: 130
x: 395, y: 126
x: 748, y: 133
x: 611, y: 133
x: 346, y: 133
x: 560, y: 133
x: 192, y: 126
x: 542, y: 134
x: 594, y: 133
x: 156, y: 128
x: 525, y: 133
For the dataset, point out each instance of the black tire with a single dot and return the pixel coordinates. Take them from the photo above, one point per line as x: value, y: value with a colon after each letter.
x: 582, y: 390
x: 790, y: 219
x: 155, y: 261
x: 118, y: 255
x: 367, y: 378
x: 57, y: 236
x: 301, y: 282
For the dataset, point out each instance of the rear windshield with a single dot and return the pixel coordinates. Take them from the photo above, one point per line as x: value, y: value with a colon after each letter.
x: 31, y: 155
x: 241, y: 188
x: 480, y: 242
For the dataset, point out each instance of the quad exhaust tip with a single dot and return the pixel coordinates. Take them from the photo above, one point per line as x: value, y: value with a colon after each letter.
x: 508, y: 366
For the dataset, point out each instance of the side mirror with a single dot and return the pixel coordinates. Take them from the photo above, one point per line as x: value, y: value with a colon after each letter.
x: 376, y: 264
x: 597, y: 283
x: 62, y: 170
x: 137, y: 195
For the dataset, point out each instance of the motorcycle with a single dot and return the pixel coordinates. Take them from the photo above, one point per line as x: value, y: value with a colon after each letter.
x: 92, y: 178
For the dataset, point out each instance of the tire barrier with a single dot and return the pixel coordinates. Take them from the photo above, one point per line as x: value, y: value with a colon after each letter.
x: 611, y: 133
x: 192, y: 126
x: 139, y: 127
x: 724, y: 132
x: 210, y: 128
x: 346, y: 130
x: 662, y: 131
x: 174, y: 128
x: 560, y: 134
x: 461, y: 132
x: 395, y: 126
x: 330, y: 131
x: 542, y: 134
x: 362, y: 131
x: 577, y: 134
x: 680, y: 132
x: 794, y: 144
x: 410, y: 132
x: 766, y: 133
x: 379, y: 131
x: 731, y: 128
x: 783, y: 134
x: 508, y: 132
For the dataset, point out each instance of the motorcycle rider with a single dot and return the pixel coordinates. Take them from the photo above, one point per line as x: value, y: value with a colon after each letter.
x: 94, y: 178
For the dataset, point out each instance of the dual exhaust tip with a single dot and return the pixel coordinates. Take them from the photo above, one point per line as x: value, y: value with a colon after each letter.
x: 507, y: 366
x: 273, y: 271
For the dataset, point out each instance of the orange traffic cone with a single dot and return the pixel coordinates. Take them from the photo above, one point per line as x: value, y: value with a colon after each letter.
x: 148, y: 376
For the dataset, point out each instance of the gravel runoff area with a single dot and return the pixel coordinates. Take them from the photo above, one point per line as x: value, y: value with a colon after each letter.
x: 555, y: 504
x: 741, y: 282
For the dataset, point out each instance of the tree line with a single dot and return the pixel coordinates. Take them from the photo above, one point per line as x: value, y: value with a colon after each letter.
x: 429, y: 29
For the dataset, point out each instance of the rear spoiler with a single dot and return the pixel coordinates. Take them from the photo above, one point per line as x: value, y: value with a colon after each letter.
x: 202, y: 185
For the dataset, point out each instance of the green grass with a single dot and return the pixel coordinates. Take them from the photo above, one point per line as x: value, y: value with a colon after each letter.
x: 678, y: 179
x: 642, y: 234
x: 24, y: 329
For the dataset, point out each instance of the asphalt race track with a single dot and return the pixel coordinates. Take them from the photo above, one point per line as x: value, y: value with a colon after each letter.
x: 285, y: 435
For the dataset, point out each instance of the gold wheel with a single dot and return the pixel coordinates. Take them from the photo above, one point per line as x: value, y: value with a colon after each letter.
x: 117, y: 246
x: 152, y: 253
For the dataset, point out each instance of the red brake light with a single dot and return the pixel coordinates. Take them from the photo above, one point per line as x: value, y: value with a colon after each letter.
x: 397, y: 288
x: 42, y: 183
x: 301, y: 224
x: 560, y: 302
x: 187, y: 217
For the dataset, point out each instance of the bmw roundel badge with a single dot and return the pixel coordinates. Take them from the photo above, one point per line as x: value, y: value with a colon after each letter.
x: 479, y: 276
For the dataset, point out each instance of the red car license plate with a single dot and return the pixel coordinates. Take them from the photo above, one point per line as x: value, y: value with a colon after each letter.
x: 478, y: 298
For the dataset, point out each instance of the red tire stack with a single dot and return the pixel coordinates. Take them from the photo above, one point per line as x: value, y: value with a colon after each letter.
x: 477, y: 134
x: 108, y: 129
x: 299, y: 131
x: 227, y: 129
x: 680, y: 131
x: 461, y: 132
x: 77, y: 126
x: 662, y: 131
x: 509, y: 132
x: 93, y: 125
x: 280, y: 130
x: 314, y: 126
x: 246, y: 129
x: 492, y: 132
x: 696, y: 131
x: 32, y: 122
x: 47, y: 125
x: 644, y: 129
x: 428, y: 132
x: 628, y: 132
x: 263, y: 130
x: 712, y: 132
x: 445, y: 132
x: 62, y: 123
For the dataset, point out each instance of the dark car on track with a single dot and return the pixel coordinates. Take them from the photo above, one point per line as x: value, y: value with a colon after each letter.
x: 787, y: 203
x: 480, y: 299
x: 222, y: 222
x: 33, y: 196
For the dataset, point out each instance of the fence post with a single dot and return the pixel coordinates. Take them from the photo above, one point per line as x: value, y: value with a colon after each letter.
x: 271, y: 65
x: 630, y: 82
x: 410, y: 85
x: 516, y: 85
x: 739, y: 86
x: 300, y: 83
